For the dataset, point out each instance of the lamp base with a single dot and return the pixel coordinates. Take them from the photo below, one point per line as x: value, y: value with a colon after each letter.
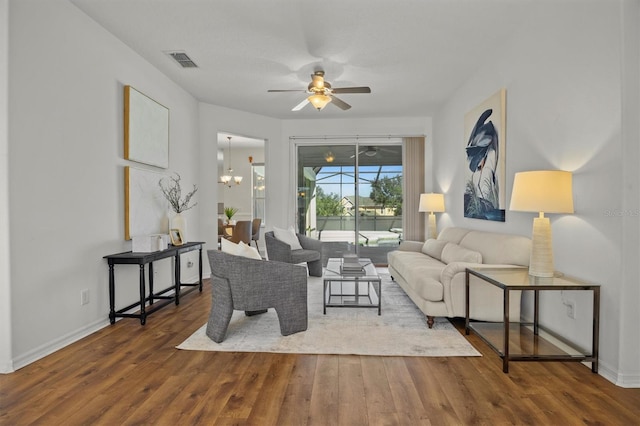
x: 541, y: 260
x: 433, y: 230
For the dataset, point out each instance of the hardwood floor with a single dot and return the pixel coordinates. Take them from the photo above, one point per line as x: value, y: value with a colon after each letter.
x: 132, y: 374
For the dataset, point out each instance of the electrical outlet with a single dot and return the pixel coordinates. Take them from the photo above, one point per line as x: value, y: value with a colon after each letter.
x: 189, y: 264
x: 571, y: 309
x: 84, y: 297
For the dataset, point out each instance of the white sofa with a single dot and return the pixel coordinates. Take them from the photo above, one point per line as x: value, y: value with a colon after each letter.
x: 432, y: 273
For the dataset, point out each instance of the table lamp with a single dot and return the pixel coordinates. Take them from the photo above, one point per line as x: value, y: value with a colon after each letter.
x: 432, y: 203
x: 544, y: 191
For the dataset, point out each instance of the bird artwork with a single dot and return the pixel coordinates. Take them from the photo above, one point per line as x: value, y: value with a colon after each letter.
x: 481, y: 198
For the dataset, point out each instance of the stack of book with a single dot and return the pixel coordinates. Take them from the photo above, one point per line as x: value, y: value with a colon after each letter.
x: 351, y: 265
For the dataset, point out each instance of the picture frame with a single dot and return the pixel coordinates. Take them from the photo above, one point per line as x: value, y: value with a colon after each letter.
x: 146, y: 129
x: 145, y: 208
x: 485, y: 174
x: 176, y: 237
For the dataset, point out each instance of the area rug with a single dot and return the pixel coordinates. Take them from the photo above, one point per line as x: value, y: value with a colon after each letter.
x: 401, y: 330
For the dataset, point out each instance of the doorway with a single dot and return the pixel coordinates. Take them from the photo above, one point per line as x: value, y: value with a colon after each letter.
x: 349, y: 196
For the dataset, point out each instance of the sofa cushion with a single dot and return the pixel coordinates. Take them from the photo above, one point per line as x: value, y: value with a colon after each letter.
x: 287, y: 236
x: 433, y: 248
x: 454, y: 253
x: 499, y: 248
x: 453, y: 234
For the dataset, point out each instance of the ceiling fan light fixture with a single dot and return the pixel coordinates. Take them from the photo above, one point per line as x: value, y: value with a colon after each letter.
x: 329, y: 157
x: 371, y: 152
x: 319, y: 101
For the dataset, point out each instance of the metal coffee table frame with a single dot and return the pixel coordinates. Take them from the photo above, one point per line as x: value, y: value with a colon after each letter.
x: 352, y: 299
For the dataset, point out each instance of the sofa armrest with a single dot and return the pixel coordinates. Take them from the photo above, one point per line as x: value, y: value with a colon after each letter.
x: 411, y: 245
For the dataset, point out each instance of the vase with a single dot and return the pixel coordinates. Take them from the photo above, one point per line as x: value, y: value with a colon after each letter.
x: 180, y: 222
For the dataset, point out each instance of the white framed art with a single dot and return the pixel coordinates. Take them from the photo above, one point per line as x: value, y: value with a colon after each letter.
x: 146, y: 129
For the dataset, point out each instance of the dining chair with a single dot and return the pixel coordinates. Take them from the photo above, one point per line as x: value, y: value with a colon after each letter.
x: 255, y: 231
x: 241, y: 232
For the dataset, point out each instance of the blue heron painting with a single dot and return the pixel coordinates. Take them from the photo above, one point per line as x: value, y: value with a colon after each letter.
x: 482, y: 187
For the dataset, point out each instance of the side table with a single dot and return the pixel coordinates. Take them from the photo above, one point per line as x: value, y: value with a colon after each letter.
x: 518, y: 341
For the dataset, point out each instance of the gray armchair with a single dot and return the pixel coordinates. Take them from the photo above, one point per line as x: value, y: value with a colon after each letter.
x: 254, y: 286
x: 311, y: 252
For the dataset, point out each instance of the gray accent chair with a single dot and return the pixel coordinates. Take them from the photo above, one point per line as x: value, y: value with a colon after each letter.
x: 311, y: 252
x: 254, y: 286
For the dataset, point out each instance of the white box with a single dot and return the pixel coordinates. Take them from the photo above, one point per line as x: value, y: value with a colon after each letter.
x: 144, y: 243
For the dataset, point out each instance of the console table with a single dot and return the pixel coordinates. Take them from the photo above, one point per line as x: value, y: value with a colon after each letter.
x: 519, y: 341
x: 142, y: 259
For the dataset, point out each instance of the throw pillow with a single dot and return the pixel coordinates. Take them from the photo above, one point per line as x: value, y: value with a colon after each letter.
x: 228, y: 247
x: 248, y: 251
x: 287, y: 236
x: 455, y: 253
x: 433, y: 248
x: 240, y: 249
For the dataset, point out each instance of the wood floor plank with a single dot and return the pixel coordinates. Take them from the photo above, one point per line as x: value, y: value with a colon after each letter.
x: 323, y: 407
x: 351, y: 403
x: 128, y: 373
x: 297, y: 400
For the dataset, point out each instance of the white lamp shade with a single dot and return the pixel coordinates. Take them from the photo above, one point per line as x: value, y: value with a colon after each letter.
x: 431, y: 202
x: 548, y: 191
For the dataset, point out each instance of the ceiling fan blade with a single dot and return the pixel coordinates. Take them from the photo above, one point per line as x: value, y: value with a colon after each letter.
x: 359, y: 153
x: 300, y: 105
x: 363, y: 89
x: 340, y: 103
x: 290, y: 90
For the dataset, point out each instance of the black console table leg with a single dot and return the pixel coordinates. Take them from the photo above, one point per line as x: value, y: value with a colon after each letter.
x: 177, y: 278
x: 151, y: 283
x: 200, y: 267
x: 112, y: 296
x: 143, y: 312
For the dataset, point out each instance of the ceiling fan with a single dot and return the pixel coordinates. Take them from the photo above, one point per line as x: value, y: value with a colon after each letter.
x: 321, y: 93
x: 372, y: 151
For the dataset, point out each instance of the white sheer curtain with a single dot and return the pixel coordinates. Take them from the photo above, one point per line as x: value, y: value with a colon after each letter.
x: 413, y: 182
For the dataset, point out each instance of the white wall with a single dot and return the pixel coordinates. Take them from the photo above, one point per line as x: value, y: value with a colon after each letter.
x: 563, y: 112
x: 66, y: 171
x: 6, y: 364
x: 629, y: 314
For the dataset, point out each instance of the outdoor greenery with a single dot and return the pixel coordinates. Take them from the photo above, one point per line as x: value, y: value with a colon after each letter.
x: 328, y: 204
x: 387, y: 192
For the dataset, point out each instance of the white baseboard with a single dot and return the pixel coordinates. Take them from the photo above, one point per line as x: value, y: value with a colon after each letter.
x: 6, y: 367
x: 59, y: 343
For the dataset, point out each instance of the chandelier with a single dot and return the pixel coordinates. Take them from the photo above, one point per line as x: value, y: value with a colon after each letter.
x: 226, y: 178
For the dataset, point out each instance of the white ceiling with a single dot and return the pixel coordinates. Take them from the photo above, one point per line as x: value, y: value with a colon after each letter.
x: 412, y: 53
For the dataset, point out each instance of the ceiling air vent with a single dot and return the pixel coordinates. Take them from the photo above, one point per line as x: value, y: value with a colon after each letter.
x: 183, y: 59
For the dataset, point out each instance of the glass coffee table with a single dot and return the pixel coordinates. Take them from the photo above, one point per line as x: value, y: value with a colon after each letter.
x: 351, y: 290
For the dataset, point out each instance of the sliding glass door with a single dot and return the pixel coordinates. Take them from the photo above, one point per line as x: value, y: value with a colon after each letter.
x: 350, y: 196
